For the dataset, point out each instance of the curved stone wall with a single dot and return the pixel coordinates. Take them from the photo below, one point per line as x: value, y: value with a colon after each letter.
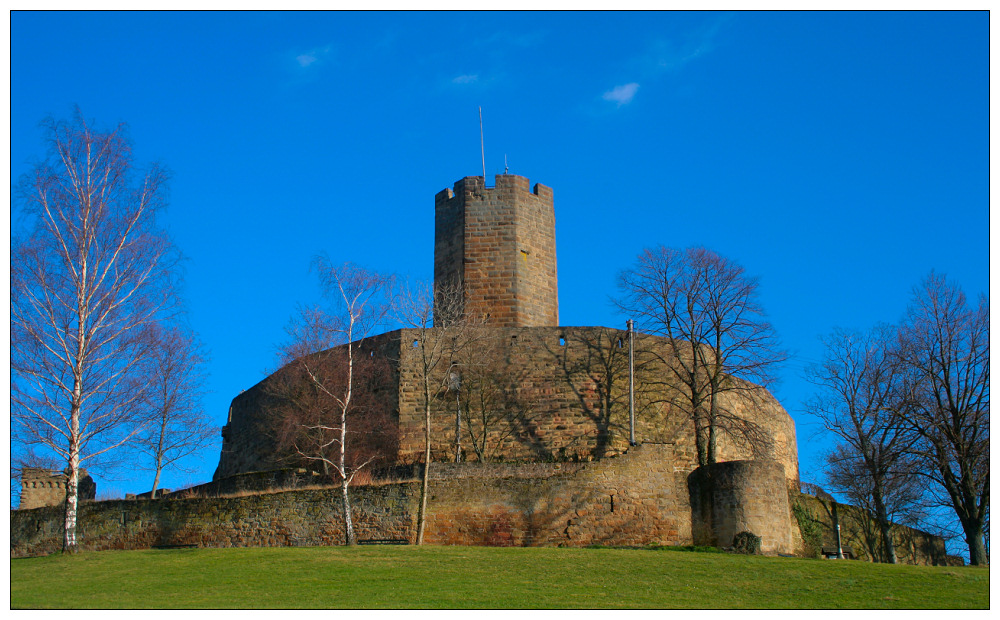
x: 530, y: 394
x: 737, y: 496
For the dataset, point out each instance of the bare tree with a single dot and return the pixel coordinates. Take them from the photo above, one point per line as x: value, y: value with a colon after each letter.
x: 945, y: 343
x: 444, y: 333
x: 862, y: 401
x: 177, y: 426
x: 87, y: 285
x: 333, y: 393
x: 720, y: 342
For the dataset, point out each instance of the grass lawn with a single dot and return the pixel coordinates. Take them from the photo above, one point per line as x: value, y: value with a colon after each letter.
x: 479, y: 577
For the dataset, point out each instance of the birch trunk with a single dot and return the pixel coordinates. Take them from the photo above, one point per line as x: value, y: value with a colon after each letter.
x: 72, y: 500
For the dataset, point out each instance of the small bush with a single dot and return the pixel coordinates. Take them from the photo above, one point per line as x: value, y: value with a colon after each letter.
x: 746, y: 543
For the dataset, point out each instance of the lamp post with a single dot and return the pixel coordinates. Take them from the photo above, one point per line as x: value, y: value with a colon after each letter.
x: 836, y: 521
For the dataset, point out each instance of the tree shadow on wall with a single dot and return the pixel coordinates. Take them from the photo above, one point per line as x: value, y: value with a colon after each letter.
x: 501, y: 408
x: 593, y: 364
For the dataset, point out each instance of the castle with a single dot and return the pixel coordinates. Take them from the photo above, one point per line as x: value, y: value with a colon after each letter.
x: 557, y: 393
x: 548, y: 394
x: 530, y: 430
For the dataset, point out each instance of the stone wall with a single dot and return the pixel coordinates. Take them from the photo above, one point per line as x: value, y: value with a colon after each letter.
x: 561, y: 393
x: 285, y: 519
x: 814, y: 527
x: 248, y: 437
x: 498, y: 244
x: 634, y: 499
x: 528, y: 394
x: 44, y: 487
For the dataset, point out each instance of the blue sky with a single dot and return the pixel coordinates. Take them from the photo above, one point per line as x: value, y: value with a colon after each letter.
x: 838, y: 156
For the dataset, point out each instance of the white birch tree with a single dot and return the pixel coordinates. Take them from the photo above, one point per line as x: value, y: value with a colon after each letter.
x: 88, y: 283
x: 319, y: 431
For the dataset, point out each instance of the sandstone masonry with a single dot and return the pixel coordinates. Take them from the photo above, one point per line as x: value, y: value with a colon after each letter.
x: 565, y: 398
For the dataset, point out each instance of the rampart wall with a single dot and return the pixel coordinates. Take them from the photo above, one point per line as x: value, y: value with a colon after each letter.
x: 637, y: 498
x: 814, y: 528
x: 527, y: 394
x: 285, y: 519
x: 741, y: 496
x: 633, y: 499
x: 561, y: 393
x: 249, y: 436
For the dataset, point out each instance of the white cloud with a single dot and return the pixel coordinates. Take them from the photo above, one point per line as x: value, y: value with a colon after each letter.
x: 465, y: 79
x: 622, y: 94
x: 312, y: 56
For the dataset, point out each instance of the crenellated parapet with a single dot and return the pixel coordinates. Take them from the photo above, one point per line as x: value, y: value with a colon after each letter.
x: 45, y: 487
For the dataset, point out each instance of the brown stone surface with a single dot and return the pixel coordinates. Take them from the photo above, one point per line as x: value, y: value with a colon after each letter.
x: 858, y: 531
x: 288, y: 519
x: 632, y: 499
x: 636, y: 498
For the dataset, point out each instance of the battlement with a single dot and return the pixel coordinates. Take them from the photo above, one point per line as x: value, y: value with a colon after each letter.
x: 497, y: 244
x: 472, y: 185
x: 45, y: 487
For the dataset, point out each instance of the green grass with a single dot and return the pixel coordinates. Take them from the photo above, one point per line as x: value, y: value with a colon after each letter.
x: 479, y: 577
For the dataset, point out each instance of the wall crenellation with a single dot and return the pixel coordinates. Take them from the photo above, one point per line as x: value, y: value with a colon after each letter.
x: 44, y: 487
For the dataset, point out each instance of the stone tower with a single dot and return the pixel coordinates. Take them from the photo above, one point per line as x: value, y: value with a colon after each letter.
x: 499, y: 244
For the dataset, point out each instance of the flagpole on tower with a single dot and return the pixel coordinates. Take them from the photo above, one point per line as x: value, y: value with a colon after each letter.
x: 482, y: 144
